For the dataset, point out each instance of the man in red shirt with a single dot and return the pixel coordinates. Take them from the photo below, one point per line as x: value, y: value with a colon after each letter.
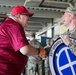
x: 14, y: 47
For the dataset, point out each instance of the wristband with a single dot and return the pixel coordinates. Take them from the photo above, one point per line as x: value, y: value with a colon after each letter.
x: 38, y: 51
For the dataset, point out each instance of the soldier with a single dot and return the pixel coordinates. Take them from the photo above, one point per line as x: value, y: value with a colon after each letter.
x: 34, y: 62
x: 69, y: 20
x: 46, y: 61
x: 47, y: 47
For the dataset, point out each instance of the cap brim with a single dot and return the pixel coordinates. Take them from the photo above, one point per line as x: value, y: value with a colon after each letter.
x: 30, y: 14
x: 66, y: 11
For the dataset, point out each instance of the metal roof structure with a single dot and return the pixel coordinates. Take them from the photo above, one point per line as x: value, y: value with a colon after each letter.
x: 44, y: 11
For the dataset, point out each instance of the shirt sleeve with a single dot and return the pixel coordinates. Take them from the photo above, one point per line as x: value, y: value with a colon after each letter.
x: 73, y: 49
x: 17, y: 37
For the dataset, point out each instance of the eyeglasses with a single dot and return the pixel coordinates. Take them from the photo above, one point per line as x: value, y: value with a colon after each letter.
x: 26, y: 15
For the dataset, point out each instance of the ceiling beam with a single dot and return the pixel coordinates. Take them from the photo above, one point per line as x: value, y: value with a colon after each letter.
x: 41, y: 19
x: 11, y: 2
x: 33, y: 28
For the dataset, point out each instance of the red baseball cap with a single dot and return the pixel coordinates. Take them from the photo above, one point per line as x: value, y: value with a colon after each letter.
x: 21, y: 10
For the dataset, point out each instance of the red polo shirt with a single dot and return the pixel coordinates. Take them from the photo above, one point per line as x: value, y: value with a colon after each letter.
x: 12, y: 38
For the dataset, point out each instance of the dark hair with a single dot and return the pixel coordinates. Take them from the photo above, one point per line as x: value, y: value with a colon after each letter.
x: 32, y: 34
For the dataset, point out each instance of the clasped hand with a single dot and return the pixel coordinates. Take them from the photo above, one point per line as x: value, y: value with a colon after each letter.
x: 66, y: 39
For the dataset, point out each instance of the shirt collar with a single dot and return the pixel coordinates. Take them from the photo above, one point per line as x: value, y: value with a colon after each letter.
x: 12, y: 18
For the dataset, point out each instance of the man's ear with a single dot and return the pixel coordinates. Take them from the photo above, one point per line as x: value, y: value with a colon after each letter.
x: 71, y: 16
x: 18, y: 15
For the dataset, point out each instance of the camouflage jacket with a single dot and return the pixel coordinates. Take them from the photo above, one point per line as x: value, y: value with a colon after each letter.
x: 35, y: 58
x: 72, y: 34
x: 47, y: 48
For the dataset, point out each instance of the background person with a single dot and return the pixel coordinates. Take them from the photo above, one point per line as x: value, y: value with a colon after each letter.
x: 46, y: 60
x: 34, y: 61
x: 14, y: 47
x: 55, y: 37
x: 47, y: 47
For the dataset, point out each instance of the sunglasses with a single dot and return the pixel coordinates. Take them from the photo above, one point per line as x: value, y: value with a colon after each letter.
x: 26, y: 15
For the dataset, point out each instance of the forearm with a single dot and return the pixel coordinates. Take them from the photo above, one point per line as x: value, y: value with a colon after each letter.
x: 73, y: 49
x: 29, y: 50
x: 32, y: 51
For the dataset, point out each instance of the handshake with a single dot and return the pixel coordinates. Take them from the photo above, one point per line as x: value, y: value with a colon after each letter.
x: 42, y: 52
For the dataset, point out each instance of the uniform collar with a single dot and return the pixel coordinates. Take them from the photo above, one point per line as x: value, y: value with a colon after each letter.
x: 72, y: 31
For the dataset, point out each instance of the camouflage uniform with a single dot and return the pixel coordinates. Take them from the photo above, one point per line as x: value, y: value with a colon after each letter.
x: 34, y: 62
x: 46, y: 61
x: 72, y: 34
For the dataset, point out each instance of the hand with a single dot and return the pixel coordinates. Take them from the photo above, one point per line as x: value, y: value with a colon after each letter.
x: 42, y: 53
x: 55, y: 37
x: 66, y: 39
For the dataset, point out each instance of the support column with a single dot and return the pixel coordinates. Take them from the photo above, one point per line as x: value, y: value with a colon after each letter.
x: 53, y: 27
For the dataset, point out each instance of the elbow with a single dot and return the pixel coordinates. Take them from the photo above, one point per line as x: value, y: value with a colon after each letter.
x: 24, y: 51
